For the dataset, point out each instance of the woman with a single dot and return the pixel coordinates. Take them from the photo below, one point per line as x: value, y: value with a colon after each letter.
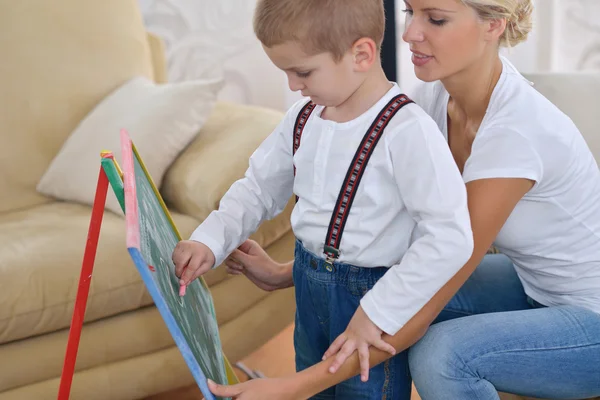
x: 526, y: 321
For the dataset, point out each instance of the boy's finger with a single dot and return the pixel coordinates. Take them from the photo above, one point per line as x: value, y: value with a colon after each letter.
x: 180, y: 259
x: 343, y: 354
x: 384, y: 346
x: 335, y: 346
x: 363, y: 356
x: 191, y: 270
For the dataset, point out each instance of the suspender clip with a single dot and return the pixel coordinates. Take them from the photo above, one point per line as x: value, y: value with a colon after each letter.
x: 331, y: 254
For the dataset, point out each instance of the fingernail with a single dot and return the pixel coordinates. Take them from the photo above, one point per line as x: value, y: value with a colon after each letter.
x: 324, y: 358
x: 211, y: 382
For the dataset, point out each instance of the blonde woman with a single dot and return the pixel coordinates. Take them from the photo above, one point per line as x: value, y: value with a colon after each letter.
x: 526, y: 321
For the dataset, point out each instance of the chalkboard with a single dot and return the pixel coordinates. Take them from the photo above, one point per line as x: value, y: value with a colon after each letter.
x: 151, y: 238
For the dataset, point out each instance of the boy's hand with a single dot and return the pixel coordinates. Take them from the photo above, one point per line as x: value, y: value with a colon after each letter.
x: 359, y: 335
x: 192, y: 259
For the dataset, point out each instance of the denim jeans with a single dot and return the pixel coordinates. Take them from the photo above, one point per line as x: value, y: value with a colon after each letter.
x: 492, y: 337
x: 326, y: 301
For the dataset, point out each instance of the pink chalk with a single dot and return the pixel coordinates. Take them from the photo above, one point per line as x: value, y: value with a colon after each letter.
x: 182, y: 290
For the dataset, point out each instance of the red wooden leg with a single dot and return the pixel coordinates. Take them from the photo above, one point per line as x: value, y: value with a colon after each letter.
x: 84, y: 287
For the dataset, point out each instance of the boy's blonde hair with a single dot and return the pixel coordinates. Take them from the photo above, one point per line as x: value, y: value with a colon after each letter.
x: 319, y: 26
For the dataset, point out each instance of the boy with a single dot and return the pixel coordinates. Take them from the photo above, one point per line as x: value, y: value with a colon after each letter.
x: 381, y: 215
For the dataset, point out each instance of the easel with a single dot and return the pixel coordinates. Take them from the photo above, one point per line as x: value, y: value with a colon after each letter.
x: 110, y: 172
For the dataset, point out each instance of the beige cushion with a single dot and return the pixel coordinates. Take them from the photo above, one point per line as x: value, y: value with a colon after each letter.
x: 40, y: 262
x: 201, y: 175
x: 58, y: 62
x: 161, y: 121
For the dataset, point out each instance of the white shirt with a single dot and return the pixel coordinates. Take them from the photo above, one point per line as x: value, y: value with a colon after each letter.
x: 410, y: 212
x: 553, y: 234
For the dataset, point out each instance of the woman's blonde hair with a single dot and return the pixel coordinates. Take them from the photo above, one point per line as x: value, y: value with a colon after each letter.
x: 319, y: 25
x: 518, y: 15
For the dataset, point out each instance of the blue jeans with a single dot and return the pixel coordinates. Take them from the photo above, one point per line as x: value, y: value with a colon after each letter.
x: 491, y: 337
x: 326, y: 301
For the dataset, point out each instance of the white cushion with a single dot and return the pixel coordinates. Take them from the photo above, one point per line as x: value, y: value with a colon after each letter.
x: 161, y: 119
x: 575, y: 94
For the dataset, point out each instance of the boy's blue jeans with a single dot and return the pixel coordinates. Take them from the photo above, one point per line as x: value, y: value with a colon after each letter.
x: 326, y: 301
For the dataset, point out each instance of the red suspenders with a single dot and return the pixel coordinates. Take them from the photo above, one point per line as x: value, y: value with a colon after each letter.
x: 355, y: 171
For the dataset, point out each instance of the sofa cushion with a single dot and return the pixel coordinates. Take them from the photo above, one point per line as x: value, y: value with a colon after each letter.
x: 40, y: 262
x: 161, y: 119
x: 58, y: 62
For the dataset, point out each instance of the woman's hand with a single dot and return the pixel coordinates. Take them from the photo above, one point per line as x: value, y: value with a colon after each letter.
x: 251, y: 260
x: 257, y: 389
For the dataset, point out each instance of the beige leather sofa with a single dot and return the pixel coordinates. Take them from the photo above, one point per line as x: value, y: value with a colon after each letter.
x: 59, y: 59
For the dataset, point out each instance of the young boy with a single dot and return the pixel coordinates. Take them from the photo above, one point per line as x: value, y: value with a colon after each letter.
x: 381, y: 217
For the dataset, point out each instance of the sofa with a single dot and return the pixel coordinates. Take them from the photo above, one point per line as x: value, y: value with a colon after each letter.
x: 59, y: 60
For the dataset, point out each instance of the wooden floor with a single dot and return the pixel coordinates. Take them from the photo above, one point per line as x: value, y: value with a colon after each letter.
x: 276, y: 358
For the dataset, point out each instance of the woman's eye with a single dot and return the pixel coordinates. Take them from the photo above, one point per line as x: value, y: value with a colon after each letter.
x: 438, y: 22
x: 407, y: 11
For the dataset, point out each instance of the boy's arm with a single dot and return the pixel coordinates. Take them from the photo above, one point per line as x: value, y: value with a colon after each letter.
x: 260, y: 195
x: 435, y: 196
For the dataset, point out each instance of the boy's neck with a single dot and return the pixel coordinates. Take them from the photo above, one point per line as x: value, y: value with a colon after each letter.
x: 373, y: 88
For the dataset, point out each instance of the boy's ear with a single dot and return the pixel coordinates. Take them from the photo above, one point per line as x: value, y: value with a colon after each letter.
x: 495, y: 28
x: 364, y: 53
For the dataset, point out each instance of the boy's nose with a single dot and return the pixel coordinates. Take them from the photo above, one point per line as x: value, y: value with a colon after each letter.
x: 295, y: 83
x: 412, y: 32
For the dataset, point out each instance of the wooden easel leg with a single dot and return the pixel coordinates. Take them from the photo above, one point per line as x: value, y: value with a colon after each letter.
x: 83, y: 290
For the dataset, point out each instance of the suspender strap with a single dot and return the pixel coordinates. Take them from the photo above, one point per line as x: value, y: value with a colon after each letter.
x: 303, y: 116
x: 354, y: 175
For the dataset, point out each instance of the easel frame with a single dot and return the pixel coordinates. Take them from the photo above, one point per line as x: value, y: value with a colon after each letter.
x: 111, y: 173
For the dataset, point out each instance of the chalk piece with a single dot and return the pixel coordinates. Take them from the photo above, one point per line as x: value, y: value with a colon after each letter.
x: 182, y: 290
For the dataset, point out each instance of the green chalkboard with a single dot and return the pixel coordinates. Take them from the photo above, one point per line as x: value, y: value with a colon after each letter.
x: 191, y: 319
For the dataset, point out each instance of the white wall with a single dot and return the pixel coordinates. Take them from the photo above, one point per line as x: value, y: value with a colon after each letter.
x: 214, y: 37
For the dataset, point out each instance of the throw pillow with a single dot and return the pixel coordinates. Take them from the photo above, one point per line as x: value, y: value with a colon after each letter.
x: 162, y: 119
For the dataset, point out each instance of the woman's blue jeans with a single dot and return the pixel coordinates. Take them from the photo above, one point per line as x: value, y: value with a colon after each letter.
x: 492, y: 337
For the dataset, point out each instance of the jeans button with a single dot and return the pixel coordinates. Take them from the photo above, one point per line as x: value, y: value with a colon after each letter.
x: 313, y: 264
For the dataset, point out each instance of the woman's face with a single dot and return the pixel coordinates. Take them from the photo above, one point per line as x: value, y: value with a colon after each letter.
x: 445, y: 37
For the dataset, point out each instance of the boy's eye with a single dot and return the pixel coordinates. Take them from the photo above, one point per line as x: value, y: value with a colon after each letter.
x: 407, y: 11
x: 303, y: 74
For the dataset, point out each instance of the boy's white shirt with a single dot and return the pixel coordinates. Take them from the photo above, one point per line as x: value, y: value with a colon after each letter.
x: 410, y: 212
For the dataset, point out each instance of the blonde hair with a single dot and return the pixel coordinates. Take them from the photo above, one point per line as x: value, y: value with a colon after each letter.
x: 518, y: 15
x: 319, y: 26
